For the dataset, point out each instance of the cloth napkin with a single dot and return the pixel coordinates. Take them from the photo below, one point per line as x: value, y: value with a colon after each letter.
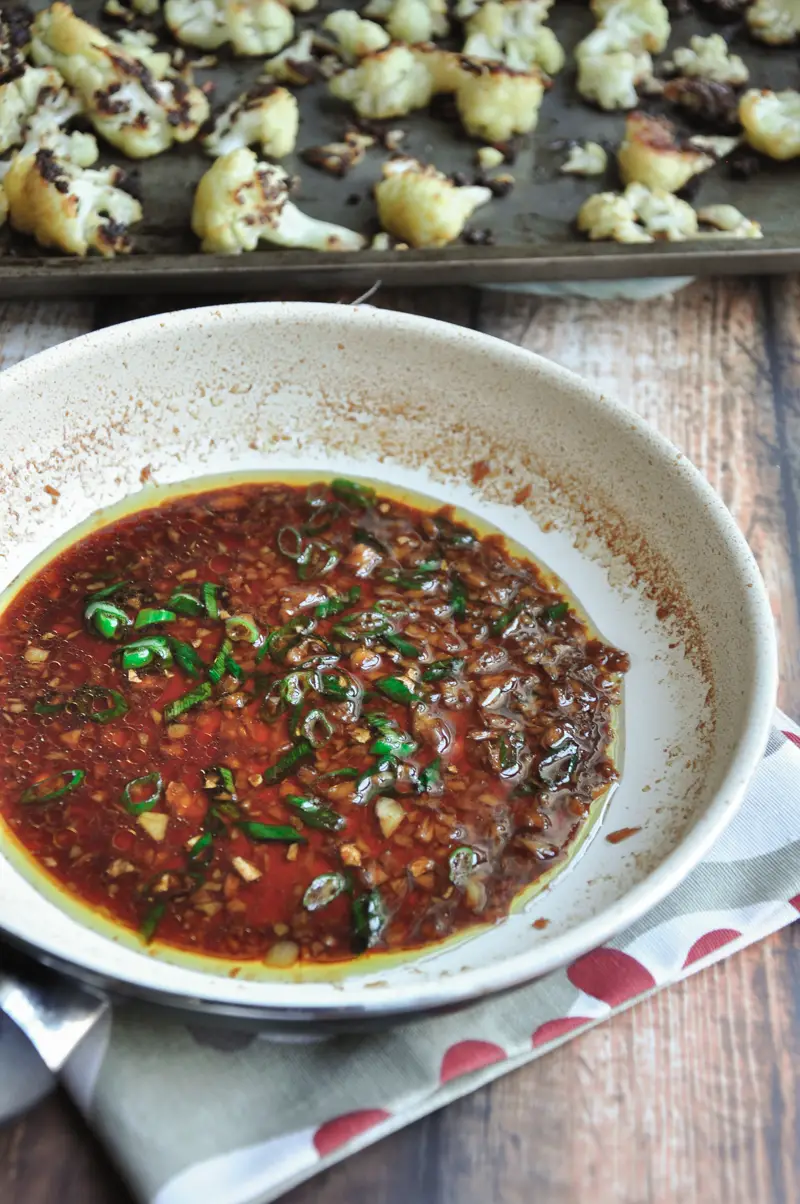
x: 202, y: 1114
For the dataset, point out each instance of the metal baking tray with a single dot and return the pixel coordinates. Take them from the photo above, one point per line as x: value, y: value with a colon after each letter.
x: 532, y: 228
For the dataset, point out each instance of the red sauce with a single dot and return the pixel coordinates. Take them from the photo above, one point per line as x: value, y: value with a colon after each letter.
x: 391, y: 725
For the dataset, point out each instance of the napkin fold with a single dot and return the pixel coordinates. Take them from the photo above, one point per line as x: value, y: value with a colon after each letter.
x: 193, y: 1113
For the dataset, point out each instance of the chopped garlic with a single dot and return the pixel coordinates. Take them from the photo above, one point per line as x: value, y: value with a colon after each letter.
x: 154, y: 824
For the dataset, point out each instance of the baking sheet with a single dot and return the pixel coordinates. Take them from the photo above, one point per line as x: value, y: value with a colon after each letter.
x: 532, y: 227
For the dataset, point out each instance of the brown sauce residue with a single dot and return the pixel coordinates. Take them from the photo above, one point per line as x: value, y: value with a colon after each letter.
x: 621, y: 834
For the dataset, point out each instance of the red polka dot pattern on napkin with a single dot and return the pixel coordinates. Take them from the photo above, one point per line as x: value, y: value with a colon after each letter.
x: 342, y: 1129
x: 551, y: 1030
x: 467, y: 1056
x: 610, y: 975
x: 709, y: 943
x: 795, y: 902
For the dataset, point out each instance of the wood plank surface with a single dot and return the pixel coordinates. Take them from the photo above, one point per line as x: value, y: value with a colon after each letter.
x: 690, y: 1096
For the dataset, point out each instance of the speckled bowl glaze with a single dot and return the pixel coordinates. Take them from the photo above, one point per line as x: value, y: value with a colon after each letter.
x: 627, y: 523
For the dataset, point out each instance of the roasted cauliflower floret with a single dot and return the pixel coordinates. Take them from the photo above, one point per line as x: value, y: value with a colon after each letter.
x: 514, y: 31
x: 771, y: 122
x: 662, y: 214
x: 615, y: 57
x: 411, y: 20
x: 607, y: 215
x: 637, y: 215
x: 266, y: 115
x: 729, y: 222
x: 586, y: 159
x: 129, y: 10
x: 389, y: 83
x: 339, y: 158
x: 642, y: 22
x: 355, y: 36
x: 242, y: 201
x: 445, y: 68
x: 15, y: 21
x: 70, y: 207
x: 609, y: 77
x: 37, y: 100
x: 649, y: 154
x: 134, y: 98
x: 422, y: 207
x: 494, y: 102
x: 776, y: 22
x: 296, y: 63
x: 251, y: 26
x: 710, y: 58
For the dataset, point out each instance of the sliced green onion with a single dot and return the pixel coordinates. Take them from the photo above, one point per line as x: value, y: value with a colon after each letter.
x: 380, y: 722
x: 290, y: 542
x: 393, y: 608
x: 557, y: 611
x: 283, y: 638
x: 430, y: 777
x: 363, y: 627
x: 458, y: 597
x: 379, y: 780
x: 186, y: 657
x: 556, y: 769
x: 107, y: 619
x: 321, y: 518
x: 463, y: 861
x: 203, y: 848
x: 396, y: 689
x: 40, y: 707
x: 282, y: 832
x: 185, y: 703
x: 340, y: 685
x: 56, y: 786
x: 141, y: 652
x: 219, y: 665
x: 412, y: 579
x: 403, y: 646
x: 210, y: 596
x: 107, y: 591
x: 316, y: 814
x: 151, y: 921
x: 323, y: 890
x: 317, y: 728
x: 153, y: 614
x: 286, y: 763
x: 453, y: 533
x: 185, y: 603
x: 316, y: 559
x: 294, y: 686
x: 394, y: 744
x: 87, y: 695
x: 353, y: 494
x: 346, y: 771
x: 242, y: 628
x: 439, y: 670
x: 362, y: 535
x: 369, y: 920
x: 505, y: 620
x: 225, y: 783
x: 338, y: 603
x: 136, y: 806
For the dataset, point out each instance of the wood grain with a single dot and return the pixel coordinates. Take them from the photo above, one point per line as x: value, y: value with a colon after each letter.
x: 691, y: 1095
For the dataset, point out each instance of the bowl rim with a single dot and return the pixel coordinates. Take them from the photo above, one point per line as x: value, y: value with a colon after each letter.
x: 285, y: 1000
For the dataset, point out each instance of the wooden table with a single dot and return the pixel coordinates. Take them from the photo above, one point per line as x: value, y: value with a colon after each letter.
x: 691, y: 1096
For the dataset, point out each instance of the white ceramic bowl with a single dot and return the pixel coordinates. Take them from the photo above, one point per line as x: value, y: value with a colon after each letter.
x: 615, y: 510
